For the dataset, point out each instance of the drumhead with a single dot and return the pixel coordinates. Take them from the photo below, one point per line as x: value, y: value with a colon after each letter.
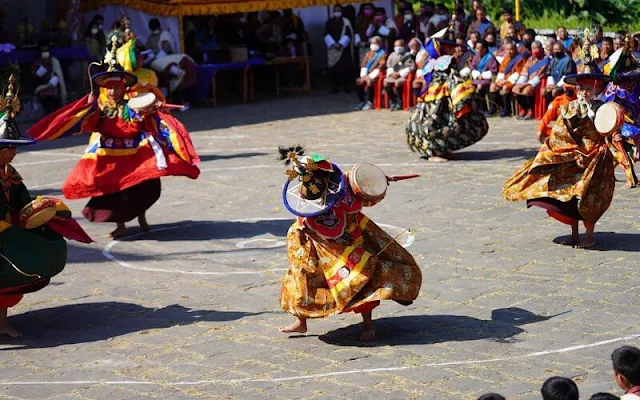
x: 142, y: 101
x: 370, y: 179
x: 606, y: 118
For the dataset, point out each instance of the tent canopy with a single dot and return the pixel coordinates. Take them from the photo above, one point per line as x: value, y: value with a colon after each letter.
x: 179, y: 8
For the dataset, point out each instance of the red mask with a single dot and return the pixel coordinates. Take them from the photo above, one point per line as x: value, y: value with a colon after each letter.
x: 538, y: 53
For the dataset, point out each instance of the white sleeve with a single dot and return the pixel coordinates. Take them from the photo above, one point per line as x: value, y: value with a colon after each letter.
x: 389, y: 71
x: 561, y: 83
x: 465, y: 72
x: 384, y: 31
x: 363, y: 72
x: 328, y: 40
x: 487, y: 75
x: 374, y: 74
x: 419, y: 73
x: 404, y: 72
x: 475, y: 74
x: 345, y: 40
x: 535, y: 81
x: 54, y: 81
x: 500, y: 76
x: 522, y: 79
x: 370, y: 30
x: 551, y: 81
x: 357, y: 39
x: 513, y: 78
x: 41, y: 71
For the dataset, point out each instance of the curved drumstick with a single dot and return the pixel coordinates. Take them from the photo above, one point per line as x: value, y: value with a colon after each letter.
x: 397, y: 178
x: 171, y: 106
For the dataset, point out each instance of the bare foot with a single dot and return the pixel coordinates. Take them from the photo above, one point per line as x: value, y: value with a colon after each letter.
x: 629, y: 185
x: 586, y: 244
x: 7, y: 330
x: 437, y: 159
x: 119, y: 232
x: 298, y: 327
x: 142, y: 220
x: 368, y: 335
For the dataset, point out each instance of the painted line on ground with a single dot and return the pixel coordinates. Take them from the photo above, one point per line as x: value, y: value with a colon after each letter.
x: 327, y: 374
x: 106, y: 252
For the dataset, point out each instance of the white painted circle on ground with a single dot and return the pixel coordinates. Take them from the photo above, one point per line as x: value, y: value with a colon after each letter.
x: 245, y: 244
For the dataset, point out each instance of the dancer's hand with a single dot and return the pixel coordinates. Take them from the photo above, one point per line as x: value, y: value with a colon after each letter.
x: 91, y: 99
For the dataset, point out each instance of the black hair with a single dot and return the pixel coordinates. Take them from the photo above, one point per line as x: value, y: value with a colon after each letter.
x: 484, y: 44
x: 381, y: 10
x: 604, y: 396
x: 428, y: 4
x: 154, y: 23
x: 531, y: 32
x: 608, y: 39
x: 461, y: 36
x: 98, y: 17
x: 492, y: 396
x: 626, y: 361
x: 559, y: 388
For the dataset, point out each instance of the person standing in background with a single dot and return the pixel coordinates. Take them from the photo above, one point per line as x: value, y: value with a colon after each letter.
x: 339, y: 40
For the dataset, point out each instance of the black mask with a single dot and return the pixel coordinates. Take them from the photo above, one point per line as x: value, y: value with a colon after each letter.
x: 559, y: 54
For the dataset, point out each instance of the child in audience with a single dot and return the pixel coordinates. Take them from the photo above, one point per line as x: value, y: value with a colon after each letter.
x: 559, y: 388
x: 626, y: 369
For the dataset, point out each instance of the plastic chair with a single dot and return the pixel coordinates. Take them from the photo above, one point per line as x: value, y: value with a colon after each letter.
x: 539, y: 102
x: 408, y: 100
x: 377, y: 91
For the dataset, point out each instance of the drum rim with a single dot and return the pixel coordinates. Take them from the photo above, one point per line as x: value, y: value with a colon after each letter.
x: 139, y: 96
x: 354, y: 181
x: 328, y: 207
x: 619, y: 113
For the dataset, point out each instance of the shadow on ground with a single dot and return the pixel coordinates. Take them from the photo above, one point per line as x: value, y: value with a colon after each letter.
x: 486, y: 155
x: 503, y: 326
x: 611, y: 241
x: 91, y: 322
x: 215, y: 157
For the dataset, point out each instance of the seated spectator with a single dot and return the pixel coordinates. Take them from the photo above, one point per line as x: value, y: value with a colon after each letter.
x: 482, y: 70
x: 529, y: 80
x: 422, y: 57
x: 560, y: 66
x: 51, y: 91
x: 206, y: 39
x: 529, y: 36
x: 559, y: 388
x: 490, y: 38
x: 481, y: 24
x: 626, y: 369
x: 508, y: 75
x: 606, y: 50
x: 372, y: 64
x: 364, y: 30
x: 548, y: 47
x: 474, y: 38
x: 604, y: 396
x: 175, y: 70
x: 512, y: 34
x: 385, y: 29
x: 400, y: 64
x: 492, y: 396
x: 524, y: 49
x: 553, y: 111
x: 293, y: 31
x: 509, y: 22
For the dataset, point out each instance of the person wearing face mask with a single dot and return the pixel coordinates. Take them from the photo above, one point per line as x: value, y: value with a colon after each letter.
x: 490, y: 38
x: 94, y: 44
x: 129, y: 150
x: 410, y: 26
x: 51, y: 90
x: 98, y: 20
x: 340, y: 49
x: 560, y: 66
x: 572, y: 177
x: 400, y: 64
x: 363, y: 30
x: 439, y: 20
x: 372, y: 64
x: 508, y: 75
x: 530, y: 77
x: 385, y: 28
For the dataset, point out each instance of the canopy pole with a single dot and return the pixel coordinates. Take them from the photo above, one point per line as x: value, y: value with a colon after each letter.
x: 517, y: 10
x: 181, y: 27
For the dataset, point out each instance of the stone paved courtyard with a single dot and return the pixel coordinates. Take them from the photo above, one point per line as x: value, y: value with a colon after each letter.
x: 190, y: 310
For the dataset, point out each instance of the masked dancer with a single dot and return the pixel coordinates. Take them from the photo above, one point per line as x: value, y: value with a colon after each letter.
x: 339, y: 260
x: 32, y: 231
x: 572, y: 177
x: 131, y: 147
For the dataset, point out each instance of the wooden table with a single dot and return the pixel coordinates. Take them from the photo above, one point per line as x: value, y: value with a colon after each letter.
x: 245, y: 67
x: 304, y: 62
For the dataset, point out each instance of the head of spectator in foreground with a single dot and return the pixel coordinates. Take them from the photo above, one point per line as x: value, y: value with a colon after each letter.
x: 507, y: 15
x: 474, y: 37
x: 558, y: 50
x: 559, y: 388
x: 415, y: 45
x: 561, y: 33
x: 604, y: 396
x: 481, y: 14
x: 461, y: 39
x: 607, y: 48
x: 490, y: 38
x: 381, y: 15
x: 536, y: 49
x: 375, y: 43
x: 481, y: 48
x: 398, y: 46
x: 626, y: 366
x: 509, y: 48
x: 337, y: 11
x: 492, y: 396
